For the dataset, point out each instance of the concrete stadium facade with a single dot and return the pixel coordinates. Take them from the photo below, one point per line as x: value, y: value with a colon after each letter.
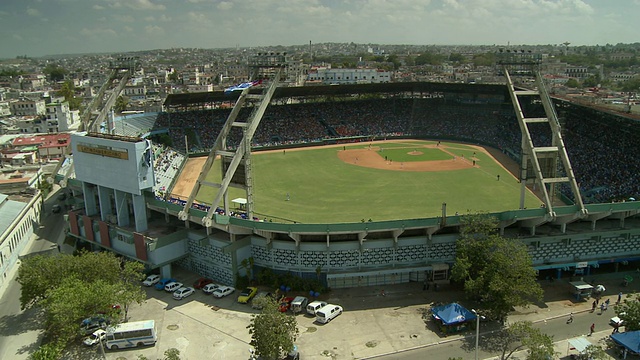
x: 351, y: 254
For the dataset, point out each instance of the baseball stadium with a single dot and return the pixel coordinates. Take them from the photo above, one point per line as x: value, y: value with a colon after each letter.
x: 358, y: 185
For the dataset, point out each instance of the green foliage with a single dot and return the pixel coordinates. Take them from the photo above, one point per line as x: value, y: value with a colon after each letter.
x: 173, y: 77
x: 428, y: 58
x: 632, y: 84
x: 69, y: 288
x: 591, y: 81
x: 629, y: 311
x: 54, y: 72
x: 273, y: 333
x: 496, y: 271
x: 456, y: 57
x: 572, y: 83
x: 50, y: 351
x: 268, y: 278
x: 486, y: 59
x: 11, y: 72
x: 595, y: 352
x: 172, y: 354
x: 121, y: 103
x: 519, y: 336
x: 68, y: 90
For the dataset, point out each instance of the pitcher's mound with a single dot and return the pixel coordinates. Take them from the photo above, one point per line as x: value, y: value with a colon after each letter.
x: 415, y: 153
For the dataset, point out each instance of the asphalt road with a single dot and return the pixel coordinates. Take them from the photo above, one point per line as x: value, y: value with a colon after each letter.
x: 558, y: 328
x: 20, y: 331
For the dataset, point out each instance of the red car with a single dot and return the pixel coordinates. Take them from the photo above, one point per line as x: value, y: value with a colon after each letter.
x: 285, y: 303
x: 200, y: 283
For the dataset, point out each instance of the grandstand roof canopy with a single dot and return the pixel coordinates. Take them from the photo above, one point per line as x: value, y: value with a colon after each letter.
x: 327, y: 90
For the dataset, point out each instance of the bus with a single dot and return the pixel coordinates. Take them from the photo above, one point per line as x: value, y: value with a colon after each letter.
x: 137, y: 333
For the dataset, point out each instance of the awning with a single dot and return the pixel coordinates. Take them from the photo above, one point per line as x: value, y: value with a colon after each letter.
x: 579, y: 344
x: 241, y: 201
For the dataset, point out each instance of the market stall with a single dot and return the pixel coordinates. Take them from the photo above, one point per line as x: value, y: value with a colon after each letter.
x: 452, y: 318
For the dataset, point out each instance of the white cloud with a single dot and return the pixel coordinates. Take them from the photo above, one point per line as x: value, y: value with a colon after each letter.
x: 124, y: 18
x: 149, y: 19
x: 17, y: 37
x: 225, y: 5
x: 33, y: 12
x: 153, y: 30
x: 136, y: 4
x: 98, y: 7
x: 98, y: 32
x: 127, y: 28
x: 165, y: 18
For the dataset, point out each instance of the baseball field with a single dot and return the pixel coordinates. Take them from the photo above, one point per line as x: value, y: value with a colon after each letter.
x: 381, y: 180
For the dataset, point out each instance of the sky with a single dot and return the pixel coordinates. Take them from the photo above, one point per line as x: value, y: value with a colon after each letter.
x: 47, y: 27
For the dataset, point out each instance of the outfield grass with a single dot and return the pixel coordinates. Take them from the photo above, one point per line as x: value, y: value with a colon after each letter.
x: 324, y: 189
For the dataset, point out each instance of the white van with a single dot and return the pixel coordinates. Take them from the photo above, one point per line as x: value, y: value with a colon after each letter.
x: 327, y: 313
x: 315, y: 306
x: 299, y: 304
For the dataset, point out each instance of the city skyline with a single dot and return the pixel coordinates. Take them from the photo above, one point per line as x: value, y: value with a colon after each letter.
x: 48, y: 27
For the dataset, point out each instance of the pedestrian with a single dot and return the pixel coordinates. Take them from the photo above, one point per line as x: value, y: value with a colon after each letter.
x: 601, y: 308
x: 288, y: 198
x: 593, y: 306
x: 597, y: 301
x: 474, y: 163
x: 570, y: 319
x: 383, y: 293
x: 592, y: 329
x: 619, y: 297
x: 498, y: 176
x: 607, y: 302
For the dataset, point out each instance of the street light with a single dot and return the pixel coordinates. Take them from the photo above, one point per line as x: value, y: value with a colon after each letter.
x: 478, y: 316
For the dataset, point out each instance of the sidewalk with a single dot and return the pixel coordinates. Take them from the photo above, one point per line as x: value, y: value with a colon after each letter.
x: 373, y: 323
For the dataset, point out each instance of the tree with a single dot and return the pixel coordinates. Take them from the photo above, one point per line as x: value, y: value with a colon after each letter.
x: 68, y: 90
x: 69, y: 288
x: 486, y: 59
x: 595, y: 352
x: 456, y: 57
x: 496, y: 271
x: 572, y: 83
x: 273, y: 333
x: 519, y: 336
x: 632, y: 84
x: 629, y: 312
x: 54, y: 72
x: 121, y: 103
x: 428, y: 58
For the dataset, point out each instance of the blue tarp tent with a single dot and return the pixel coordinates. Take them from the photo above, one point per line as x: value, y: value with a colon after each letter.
x: 630, y: 340
x: 452, y: 314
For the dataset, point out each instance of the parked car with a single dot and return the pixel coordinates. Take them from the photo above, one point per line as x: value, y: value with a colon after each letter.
x: 315, y: 306
x: 200, y: 283
x: 247, y: 294
x: 91, y: 324
x: 299, y: 304
x: 161, y: 284
x: 151, y: 280
x: 285, y: 303
x: 328, y: 313
x: 210, y: 288
x: 223, y: 291
x: 183, y: 292
x: 96, y: 337
x: 173, y: 286
x: 256, y: 302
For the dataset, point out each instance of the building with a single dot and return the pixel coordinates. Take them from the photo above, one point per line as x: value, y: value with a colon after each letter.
x: 350, y: 76
x: 18, y: 219
x: 26, y: 107
x: 58, y: 117
x: 50, y: 146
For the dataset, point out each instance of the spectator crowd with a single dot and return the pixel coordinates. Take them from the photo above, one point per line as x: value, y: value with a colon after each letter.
x: 601, y: 147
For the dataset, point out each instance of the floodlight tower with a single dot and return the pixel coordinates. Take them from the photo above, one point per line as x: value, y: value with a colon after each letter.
x: 543, y: 165
x: 236, y: 165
